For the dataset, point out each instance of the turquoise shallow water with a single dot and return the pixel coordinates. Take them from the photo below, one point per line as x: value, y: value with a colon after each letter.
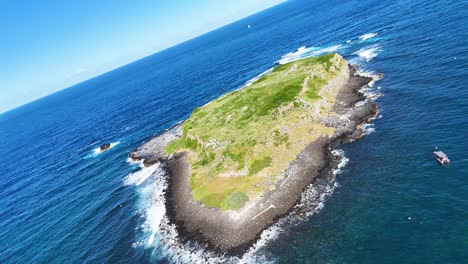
x: 62, y: 202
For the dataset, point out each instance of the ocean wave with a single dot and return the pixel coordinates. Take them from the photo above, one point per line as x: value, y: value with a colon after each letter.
x: 370, y: 74
x: 304, y: 52
x: 340, y: 155
x: 156, y: 212
x: 367, y: 36
x: 368, y: 53
x: 313, y: 199
x: 138, y: 177
x: 368, y: 128
x: 249, y: 82
x: 370, y: 93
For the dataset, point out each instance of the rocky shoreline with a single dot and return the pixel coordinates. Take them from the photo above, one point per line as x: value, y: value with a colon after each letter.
x: 235, y: 231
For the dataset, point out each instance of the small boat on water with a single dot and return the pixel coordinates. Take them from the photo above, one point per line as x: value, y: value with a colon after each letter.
x: 441, y: 157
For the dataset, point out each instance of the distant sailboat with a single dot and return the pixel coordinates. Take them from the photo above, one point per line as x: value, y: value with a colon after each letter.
x: 248, y: 26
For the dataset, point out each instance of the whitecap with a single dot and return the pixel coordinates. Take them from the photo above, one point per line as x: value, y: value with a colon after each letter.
x: 368, y: 53
x: 367, y: 36
x: 138, y: 177
x: 305, y: 52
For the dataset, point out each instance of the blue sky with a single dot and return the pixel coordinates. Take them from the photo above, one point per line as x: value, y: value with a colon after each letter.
x: 49, y: 45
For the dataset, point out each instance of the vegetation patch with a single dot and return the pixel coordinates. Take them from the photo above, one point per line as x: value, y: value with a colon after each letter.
x: 258, y: 165
x: 235, y: 201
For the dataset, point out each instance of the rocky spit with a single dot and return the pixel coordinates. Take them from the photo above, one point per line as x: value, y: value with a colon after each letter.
x: 235, y: 231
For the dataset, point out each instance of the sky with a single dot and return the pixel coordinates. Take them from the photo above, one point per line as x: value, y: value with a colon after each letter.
x: 49, y: 45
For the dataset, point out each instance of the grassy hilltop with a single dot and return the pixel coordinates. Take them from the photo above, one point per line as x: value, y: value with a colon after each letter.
x: 240, y: 143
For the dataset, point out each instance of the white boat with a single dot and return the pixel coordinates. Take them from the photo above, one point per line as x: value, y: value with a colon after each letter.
x: 441, y: 157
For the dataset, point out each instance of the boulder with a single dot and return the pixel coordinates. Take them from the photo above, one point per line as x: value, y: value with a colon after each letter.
x: 104, y: 147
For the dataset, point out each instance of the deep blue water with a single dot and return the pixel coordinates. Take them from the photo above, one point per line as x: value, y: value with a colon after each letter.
x: 61, y: 203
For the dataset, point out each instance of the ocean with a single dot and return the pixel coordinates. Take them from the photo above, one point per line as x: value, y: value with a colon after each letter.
x: 62, y: 201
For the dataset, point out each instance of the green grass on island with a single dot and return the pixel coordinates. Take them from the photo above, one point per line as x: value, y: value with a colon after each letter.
x: 240, y: 143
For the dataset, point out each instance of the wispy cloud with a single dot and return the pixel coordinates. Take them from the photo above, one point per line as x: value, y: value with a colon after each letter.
x: 76, y: 74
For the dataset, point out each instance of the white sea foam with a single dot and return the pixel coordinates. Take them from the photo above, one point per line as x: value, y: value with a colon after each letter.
x: 132, y: 161
x: 368, y: 128
x: 313, y: 199
x: 367, y: 36
x: 138, y: 177
x: 369, y: 91
x: 339, y: 153
x: 249, y: 82
x: 304, y: 52
x: 368, y: 53
x: 154, y: 214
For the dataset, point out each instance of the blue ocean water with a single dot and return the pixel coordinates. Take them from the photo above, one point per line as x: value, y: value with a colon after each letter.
x: 63, y: 202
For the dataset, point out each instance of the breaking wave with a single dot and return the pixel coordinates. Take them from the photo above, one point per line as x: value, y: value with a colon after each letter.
x: 368, y: 53
x: 339, y: 155
x: 304, y: 52
x: 368, y: 128
x: 367, y: 36
x: 369, y: 91
x: 138, y: 177
x: 365, y: 53
x: 249, y: 82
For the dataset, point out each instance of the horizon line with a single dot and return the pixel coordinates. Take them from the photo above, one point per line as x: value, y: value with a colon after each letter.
x: 139, y: 59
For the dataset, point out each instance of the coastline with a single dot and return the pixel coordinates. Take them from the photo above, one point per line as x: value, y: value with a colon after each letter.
x: 235, y: 231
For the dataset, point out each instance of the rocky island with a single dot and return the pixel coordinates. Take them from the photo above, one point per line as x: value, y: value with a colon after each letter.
x: 242, y: 161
